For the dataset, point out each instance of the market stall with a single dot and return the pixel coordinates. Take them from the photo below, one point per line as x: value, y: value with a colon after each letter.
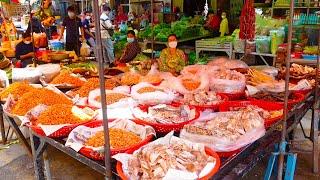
x: 138, y: 120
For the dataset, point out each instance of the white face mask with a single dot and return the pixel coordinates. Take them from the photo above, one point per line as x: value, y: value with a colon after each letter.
x: 88, y: 17
x: 71, y: 14
x: 223, y: 16
x: 130, y: 40
x: 27, y: 42
x: 173, y: 44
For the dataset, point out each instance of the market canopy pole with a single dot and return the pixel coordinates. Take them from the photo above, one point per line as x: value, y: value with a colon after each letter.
x: 283, y: 143
x: 99, y: 56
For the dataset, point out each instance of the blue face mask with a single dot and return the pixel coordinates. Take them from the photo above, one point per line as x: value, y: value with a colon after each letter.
x: 130, y: 40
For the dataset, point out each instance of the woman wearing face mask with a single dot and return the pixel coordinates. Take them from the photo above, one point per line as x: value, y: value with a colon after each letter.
x: 172, y: 59
x: 131, y: 50
x: 24, y: 50
x: 72, y: 24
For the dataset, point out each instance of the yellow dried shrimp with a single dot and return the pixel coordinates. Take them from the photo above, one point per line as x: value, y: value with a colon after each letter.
x: 119, y: 138
x: 130, y: 79
x: 147, y: 90
x: 92, y: 84
x: 38, y: 96
x: 58, y: 114
x: 190, y: 84
x: 112, y: 98
x: 17, y: 89
x: 66, y: 78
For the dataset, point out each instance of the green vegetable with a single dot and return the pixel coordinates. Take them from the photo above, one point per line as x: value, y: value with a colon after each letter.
x: 192, y: 58
x: 141, y: 57
x: 202, y: 60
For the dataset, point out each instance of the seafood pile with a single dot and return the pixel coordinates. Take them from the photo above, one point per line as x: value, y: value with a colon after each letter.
x: 60, y: 114
x: 112, y: 98
x: 190, y: 84
x: 269, y: 96
x: 147, y: 90
x: 154, y: 161
x: 262, y: 112
x: 119, y: 139
x: 16, y: 89
x: 130, y: 78
x: 298, y: 71
x: 229, y: 126
x: 67, y: 78
x: 227, y: 74
x: 38, y: 96
x: 166, y: 114
x: 92, y: 84
x: 201, y: 98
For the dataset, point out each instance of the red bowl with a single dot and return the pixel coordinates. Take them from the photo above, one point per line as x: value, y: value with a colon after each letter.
x: 208, y: 151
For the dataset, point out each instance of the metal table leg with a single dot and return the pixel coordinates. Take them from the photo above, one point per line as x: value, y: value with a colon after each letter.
x: 2, y: 130
x: 19, y: 134
x: 38, y: 147
x: 315, y: 140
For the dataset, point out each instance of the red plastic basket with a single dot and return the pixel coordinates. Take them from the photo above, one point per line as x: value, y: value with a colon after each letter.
x: 208, y: 151
x: 269, y: 106
x: 234, y: 96
x: 90, y: 153
x: 214, y: 107
x: 305, y: 92
x: 165, y: 128
x: 298, y: 97
x: 228, y: 154
x: 61, y: 133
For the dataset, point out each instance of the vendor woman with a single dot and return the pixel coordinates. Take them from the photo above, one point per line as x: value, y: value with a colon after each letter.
x: 172, y: 59
x: 131, y: 50
x: 24, y: 50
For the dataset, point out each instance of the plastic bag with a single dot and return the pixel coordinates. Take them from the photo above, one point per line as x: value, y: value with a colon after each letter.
x: 221, y: 84
x: 223, y: 144
x: 176, y: 83
x: 154, y: 76
x: 263, y: 44
x: 235, y: 64
x: 49, y: 71
x: 160, y: 96
x: 198, y: 69
x: 32, y: 75
x: 277, y: 38
x: 85, y: 50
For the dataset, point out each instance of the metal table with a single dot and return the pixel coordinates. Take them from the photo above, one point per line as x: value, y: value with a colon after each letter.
x: 233, y: 167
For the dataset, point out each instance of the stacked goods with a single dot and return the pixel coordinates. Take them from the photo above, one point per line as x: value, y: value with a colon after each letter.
x: 298, y: 71
x: 16, y: 89
x: 60, y: 114
x: 168, y: 157
x: 256, y: 77
x: 119, y: 139
x: 36, y: 97
x: 92, y: 84
x: 247, y: 21
x: 67, y: 78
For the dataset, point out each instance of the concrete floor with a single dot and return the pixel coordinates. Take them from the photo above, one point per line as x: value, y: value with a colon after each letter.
x: 15, y: 164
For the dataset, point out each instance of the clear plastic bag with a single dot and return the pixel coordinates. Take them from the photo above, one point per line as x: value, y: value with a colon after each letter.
x: 227, y: 84
x: 263, y: 44
x: 85, y: 50
x: 160, y: 96
x: 224, y: 144
x: 176, y: 83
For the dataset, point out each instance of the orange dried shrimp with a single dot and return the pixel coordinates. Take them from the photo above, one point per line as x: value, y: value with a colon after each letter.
x: 130, y: 79
x: 119, y: 138
x: 112, y: 98
x: 17, y: 89
x: 153, y: 79
x: 190, y: 84
x: 58, y: 114
x: 38, y: 96
x: 147, y: 90
x: 92, y: 84
x: 66, y: 78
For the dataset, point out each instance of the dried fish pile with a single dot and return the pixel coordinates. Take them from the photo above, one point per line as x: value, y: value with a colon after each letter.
x: 230, y: 126
x: 167, y: 114
x: 154, y: 161
x: 202, y: 98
